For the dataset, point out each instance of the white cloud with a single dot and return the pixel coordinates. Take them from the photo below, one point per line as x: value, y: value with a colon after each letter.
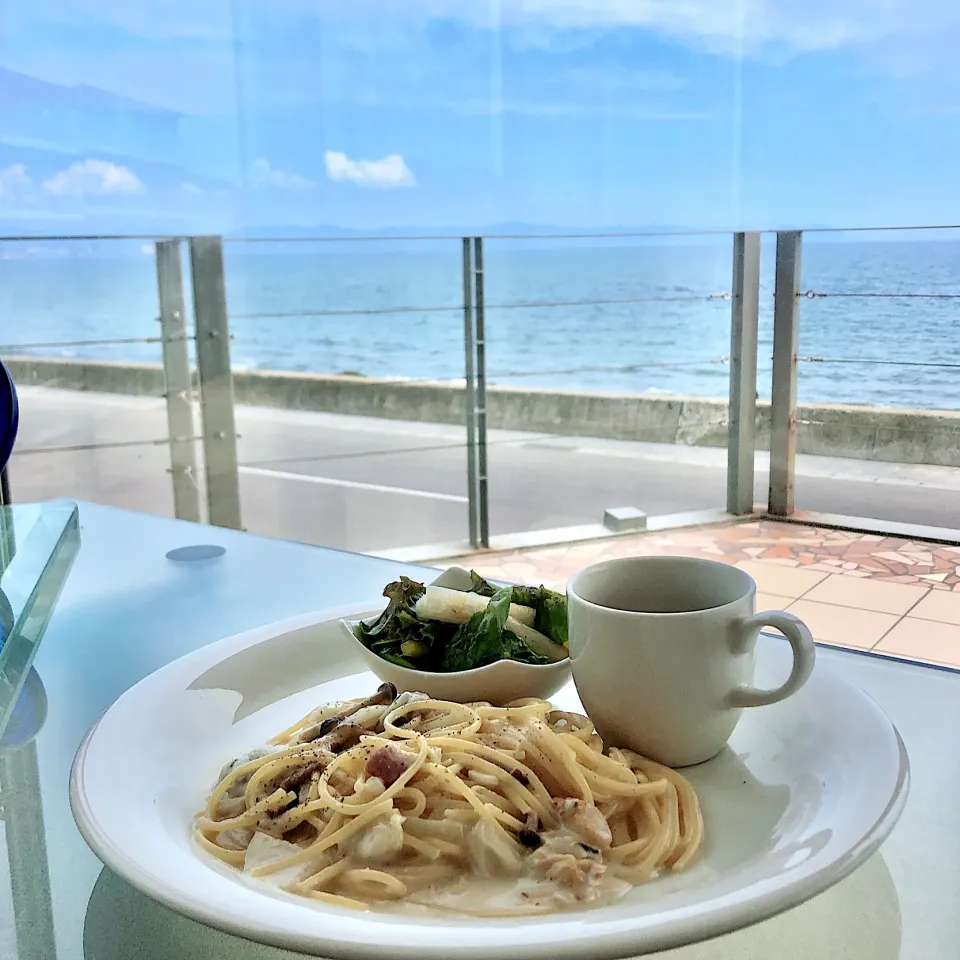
x: 14, y: 181
x: 392, y: 171
x: 262, y: 173
x: 388, y: 49
x: 749, y: 28
x: 190, y: 188
x: 159, y: 19
x: 93, y: 178
x: 730, y: 25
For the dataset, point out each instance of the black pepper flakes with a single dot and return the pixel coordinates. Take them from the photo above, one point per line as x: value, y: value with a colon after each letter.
x: 530, y: 839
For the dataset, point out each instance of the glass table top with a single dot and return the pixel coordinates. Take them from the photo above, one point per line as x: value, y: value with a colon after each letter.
x: 142, y: 591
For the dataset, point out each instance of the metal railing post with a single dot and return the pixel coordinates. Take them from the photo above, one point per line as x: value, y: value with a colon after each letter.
x: 216, y: 381
x: 744, y: 311
x: 176, y: 371
x: 469, y: 349
x: 483, y: 513
x: 783, y: 397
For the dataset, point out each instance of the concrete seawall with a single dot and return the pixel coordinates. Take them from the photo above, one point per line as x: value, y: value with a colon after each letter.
x: 839, y: 430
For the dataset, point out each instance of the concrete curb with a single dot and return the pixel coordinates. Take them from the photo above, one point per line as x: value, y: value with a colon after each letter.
x: 834, y: 430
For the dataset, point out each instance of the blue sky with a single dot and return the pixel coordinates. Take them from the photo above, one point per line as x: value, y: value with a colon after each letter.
x: 213, y: 115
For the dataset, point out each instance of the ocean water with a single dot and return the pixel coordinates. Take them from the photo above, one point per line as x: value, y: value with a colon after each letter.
x: 544, y: 323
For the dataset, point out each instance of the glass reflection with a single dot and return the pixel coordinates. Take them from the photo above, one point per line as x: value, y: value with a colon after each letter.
x: 37, y: 549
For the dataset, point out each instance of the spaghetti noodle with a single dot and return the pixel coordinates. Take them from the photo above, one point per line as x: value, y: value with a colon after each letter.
x: 469, y: 807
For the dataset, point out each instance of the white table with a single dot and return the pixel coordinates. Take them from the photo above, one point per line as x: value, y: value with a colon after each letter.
x: 126, y: 609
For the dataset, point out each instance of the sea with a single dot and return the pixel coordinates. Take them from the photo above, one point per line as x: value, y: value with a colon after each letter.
x: 879, y: 324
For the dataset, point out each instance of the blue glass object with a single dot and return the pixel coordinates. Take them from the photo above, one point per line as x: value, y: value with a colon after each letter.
x: 9, y: 414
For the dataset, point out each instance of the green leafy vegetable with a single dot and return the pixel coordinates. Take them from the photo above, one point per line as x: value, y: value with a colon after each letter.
x: 401, y: 637
x: 484, y: 587
x: 550, y: 606
x: 403, y: 595
x: 483, y: 639
x: 399, y: 626
x: 399, y: 661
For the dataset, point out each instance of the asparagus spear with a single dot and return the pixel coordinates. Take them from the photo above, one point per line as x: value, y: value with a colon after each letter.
x: 455, y: 606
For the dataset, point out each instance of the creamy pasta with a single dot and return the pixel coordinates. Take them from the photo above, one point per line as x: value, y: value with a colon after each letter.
x: 464, y: 807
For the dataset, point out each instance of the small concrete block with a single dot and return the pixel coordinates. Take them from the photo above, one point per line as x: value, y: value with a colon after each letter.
x: 619, y: 519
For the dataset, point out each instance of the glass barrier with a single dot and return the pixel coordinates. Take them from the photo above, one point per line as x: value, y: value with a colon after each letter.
x: 878, y: 392
x: 608, y: 373
x: 81, y: 337
x: 348, y: 361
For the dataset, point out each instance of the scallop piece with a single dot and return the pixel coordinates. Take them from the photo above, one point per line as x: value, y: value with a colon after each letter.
x: 264, y: 849
x: 381, y: 841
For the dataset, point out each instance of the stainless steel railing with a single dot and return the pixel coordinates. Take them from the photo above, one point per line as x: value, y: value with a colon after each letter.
x: 209, y: 338
x: 788, y: 360
x: 203, y: 326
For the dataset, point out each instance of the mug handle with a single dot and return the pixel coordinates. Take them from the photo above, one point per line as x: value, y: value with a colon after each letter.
x: 804, y: 654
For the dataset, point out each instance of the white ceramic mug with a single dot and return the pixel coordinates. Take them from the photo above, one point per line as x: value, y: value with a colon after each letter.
x: 662, y: 650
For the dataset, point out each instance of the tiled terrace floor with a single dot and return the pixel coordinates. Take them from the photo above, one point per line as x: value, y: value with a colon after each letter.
x: 872, y: 592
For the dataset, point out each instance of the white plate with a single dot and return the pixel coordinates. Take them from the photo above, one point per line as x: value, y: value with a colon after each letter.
x: 806, y: 791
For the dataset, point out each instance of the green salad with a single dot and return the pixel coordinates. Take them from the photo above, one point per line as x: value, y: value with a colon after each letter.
x: 444, y: 631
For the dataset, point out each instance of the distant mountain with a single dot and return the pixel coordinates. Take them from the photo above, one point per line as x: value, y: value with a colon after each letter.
x: 70, y: 120
x: 22, y: 90
x: 507, y: 229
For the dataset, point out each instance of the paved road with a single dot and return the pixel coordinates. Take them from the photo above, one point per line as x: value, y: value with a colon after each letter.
x: 364, y: 484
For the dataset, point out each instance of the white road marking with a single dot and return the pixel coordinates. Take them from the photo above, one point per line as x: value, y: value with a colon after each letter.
x: 352, y: 484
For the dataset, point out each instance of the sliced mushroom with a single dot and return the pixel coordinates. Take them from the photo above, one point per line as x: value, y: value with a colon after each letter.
x: 385, y: 695
x: 336, y: 741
